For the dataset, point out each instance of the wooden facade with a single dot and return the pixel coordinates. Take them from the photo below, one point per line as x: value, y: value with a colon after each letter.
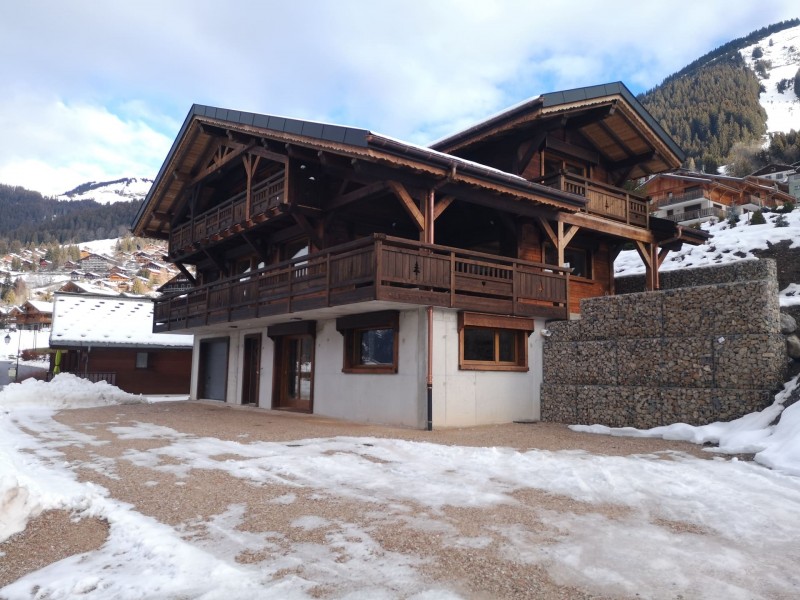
x: 156, y: 371
x: 35, y: 314
x: 243, y: 193
x: 687, y: 196
x: 291, y: 233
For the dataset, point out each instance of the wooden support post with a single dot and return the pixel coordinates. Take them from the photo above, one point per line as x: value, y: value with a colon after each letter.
x: 649, y: 255
x: 430, y: 216
x: 250, y: 165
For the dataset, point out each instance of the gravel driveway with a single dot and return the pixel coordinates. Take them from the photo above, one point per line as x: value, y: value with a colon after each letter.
x: 478, y: 570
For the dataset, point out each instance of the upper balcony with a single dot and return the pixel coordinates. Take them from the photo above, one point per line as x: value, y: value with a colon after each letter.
x: 603, y: 200
x: 374, y: 268
x: 228, y: 217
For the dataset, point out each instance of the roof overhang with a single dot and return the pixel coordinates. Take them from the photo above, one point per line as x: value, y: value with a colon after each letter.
x: 252, y: 132
x: 608, y: 116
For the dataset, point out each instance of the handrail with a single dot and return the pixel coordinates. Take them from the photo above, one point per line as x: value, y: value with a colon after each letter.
x: 341, y: 249
x: 603, y: 199
x: 375, y: 267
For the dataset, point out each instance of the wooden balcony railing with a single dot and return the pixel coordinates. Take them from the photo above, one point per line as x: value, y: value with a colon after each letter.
x: 226, y: 216
x: 603, y: 200
x: 677, y: 198
x: 374, y: 268
x: 696, y: 214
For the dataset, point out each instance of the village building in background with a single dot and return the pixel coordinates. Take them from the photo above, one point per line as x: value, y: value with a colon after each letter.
x: 689, y: 198
x: 99, y: 337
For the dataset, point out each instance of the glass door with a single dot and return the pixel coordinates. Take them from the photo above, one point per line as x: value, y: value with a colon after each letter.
x: 295, y: 373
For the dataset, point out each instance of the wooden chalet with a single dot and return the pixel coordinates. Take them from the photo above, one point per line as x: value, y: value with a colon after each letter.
x: 688, y: 197
x: 346, y: 273
x: 35, y: 314
x: 110, y: 338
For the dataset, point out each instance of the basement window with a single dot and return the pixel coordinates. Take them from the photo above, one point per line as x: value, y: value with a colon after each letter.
x: 141, y: 360
x: 492, y: 342
x: 370, y: 342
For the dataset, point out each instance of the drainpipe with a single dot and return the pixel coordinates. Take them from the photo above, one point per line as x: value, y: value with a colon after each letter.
x: 429, y: 205
x: 429, y: 378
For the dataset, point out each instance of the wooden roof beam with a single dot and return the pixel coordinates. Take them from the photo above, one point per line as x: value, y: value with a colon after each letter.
x: 408, y: 203
x: 615, y: 138
x: 223, y: 155
x: 359, y: 194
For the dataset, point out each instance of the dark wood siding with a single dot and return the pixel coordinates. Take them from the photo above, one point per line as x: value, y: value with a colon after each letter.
x: 167, y: 371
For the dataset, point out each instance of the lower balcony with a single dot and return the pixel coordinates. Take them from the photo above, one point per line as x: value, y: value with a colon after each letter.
x: 374, y: 268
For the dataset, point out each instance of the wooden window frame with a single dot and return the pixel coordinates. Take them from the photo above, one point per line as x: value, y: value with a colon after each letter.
x: 521, y: 327
x: 589, y: 258
x: 352, y: 326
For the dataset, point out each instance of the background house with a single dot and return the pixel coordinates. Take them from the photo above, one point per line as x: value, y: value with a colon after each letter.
x: 688, y: 197
x: 35, y: 314
x: 111, y: 338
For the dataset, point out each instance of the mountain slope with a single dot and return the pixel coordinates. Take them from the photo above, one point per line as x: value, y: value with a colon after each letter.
x: 776, y: 60
x: 108, y: 192
x: 28, y: 217
x: 719, y: 100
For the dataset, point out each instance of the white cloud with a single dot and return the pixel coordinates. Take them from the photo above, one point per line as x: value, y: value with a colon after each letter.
x: 59, y: 145
x: 412, y: 69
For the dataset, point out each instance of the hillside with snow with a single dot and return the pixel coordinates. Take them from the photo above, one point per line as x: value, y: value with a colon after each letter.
x: 108, y: 192
x: 728, y: 244
x: 781, y: 61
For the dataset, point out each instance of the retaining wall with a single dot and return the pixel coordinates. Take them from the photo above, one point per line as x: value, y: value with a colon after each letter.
x: 692, y: 354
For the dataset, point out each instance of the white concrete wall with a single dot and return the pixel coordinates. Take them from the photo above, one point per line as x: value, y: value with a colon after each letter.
x: 390, y: 399
x: 460, y: 398
x: 470, y: 398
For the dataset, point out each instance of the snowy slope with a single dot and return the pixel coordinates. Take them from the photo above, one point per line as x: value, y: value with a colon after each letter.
x: 727, y: 244
x: 108, y: 192
x: 783, y: 110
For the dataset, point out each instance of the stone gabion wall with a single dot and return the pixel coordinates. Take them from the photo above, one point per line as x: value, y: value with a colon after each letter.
x: 743, y: 270
x: 694, y: 355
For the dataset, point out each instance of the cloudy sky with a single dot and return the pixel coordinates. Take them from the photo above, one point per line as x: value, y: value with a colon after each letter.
x: 93, y: 91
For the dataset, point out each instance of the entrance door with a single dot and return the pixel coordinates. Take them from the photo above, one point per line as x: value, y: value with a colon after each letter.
x: 251, y: 370
x: 294, y: 373
x: 213, y: 375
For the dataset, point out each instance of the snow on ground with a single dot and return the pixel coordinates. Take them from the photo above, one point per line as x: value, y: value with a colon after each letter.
x: 727, y: 244
x: 783, y: 110
x: 107, y: 247
x: 776, y: 445
x: 738, y: 537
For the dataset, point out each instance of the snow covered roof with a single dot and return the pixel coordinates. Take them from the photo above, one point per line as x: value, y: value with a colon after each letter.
x: 95, y: 320
x: 41, y: 306
x: 79, y: 287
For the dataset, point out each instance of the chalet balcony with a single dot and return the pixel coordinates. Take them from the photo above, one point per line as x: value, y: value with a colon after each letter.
x: 677, y: 199
x: 229, y: 217
x: 603, y: 200
x: 374, y: 268
x: 691, y: 215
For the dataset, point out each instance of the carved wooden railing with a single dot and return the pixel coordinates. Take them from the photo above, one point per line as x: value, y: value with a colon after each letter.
x: 603, y: 200
x: 219, y: 220
x: 374, y: 268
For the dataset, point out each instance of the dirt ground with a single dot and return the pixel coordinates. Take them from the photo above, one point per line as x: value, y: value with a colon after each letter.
x: 472, y: 572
